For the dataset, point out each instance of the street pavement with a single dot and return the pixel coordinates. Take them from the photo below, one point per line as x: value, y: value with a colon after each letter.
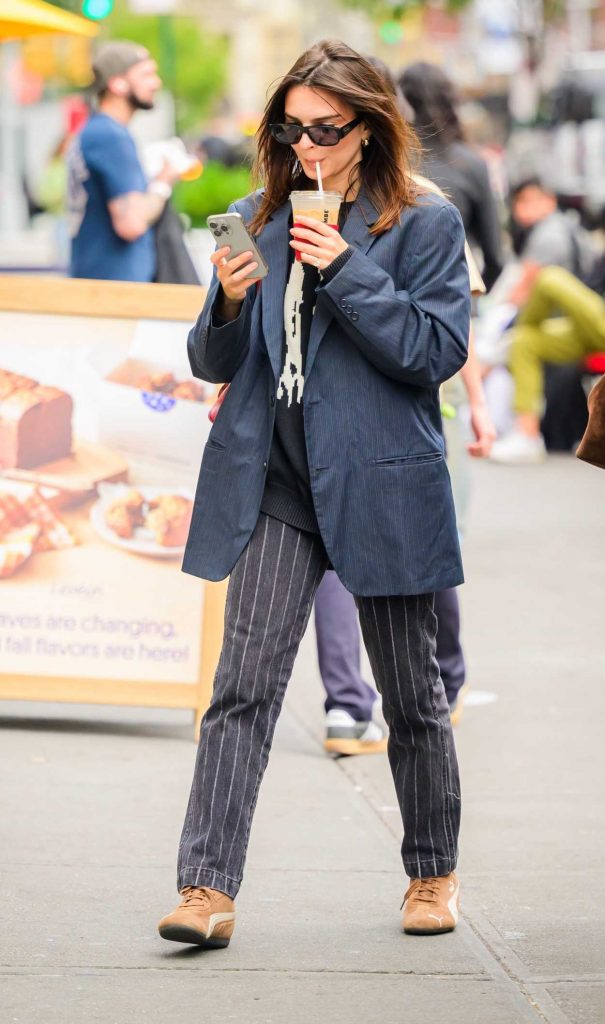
x: 92, y: 801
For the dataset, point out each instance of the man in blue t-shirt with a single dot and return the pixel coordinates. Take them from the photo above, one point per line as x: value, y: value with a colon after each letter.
x: 112, y: 206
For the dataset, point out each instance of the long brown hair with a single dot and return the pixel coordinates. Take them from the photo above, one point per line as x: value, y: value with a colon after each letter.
x: 433, y: 98
x: 386, y: 165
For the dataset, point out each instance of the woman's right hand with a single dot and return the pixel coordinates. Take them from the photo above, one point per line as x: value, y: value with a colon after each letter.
x: 234, y: 281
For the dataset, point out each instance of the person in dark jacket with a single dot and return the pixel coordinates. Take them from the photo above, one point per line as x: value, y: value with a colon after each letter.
x: 451, y: 163
x: 328, y: 451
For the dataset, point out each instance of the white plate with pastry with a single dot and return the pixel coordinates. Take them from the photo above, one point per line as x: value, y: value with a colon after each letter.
x: 152, y: 521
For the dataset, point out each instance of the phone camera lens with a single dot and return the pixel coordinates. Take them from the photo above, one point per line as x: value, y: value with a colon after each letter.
x: 225, y: 229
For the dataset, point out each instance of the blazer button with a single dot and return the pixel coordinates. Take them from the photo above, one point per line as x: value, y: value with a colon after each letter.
x: 264, y: 465
x: 344, y: 303
x: 349, y: 309
x: 272, y: 399
x: 354, y: 315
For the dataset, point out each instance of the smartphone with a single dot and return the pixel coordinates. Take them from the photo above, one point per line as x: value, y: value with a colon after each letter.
x: 229, y: 229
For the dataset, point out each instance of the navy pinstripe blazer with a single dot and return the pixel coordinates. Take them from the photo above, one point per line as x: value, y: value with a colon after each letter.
x: 388, y: 328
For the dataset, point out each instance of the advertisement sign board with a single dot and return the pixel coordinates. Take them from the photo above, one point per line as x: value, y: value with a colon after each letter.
x: 101, y: 434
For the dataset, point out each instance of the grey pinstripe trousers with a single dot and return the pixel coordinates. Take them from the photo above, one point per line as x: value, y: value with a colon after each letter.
x: 269, y: 601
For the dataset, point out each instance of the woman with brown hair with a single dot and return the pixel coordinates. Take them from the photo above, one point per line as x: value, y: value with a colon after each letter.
x: 328, y: 451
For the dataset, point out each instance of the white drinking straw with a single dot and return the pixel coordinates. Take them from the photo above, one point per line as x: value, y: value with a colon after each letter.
x: 319, y: 181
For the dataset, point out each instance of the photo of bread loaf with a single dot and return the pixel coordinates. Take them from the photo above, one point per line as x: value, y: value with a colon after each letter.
x: 35, y: 422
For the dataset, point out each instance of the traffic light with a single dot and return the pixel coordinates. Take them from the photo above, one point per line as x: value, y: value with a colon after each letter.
x: 96, y: 10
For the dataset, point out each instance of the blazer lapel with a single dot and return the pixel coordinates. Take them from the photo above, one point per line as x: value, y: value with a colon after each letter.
x: 273, y: 244
x: 361, y: 218
x: 356, y: 232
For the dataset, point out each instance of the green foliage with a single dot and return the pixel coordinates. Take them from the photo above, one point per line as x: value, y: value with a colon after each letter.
x: 67, y: 5
x: 397, y: 8
x: 553, y: 9
x: 212, y: 192
x: 192, y: 63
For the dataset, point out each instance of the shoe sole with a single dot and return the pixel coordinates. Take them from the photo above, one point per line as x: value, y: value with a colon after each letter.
x: 429, y: 931
x: 348, y: 747
x: 178, y: 933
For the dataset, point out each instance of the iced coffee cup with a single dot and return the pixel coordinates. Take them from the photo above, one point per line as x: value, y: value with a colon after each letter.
x: 322, y: 206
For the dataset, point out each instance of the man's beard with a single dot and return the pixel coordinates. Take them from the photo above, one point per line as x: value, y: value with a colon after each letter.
x: 138, y: 104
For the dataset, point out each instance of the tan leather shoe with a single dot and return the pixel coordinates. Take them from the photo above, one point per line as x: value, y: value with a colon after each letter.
x: 205, y: 917
x: 430, y: 906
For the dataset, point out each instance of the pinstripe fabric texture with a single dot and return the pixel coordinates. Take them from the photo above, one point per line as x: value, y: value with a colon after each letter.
x: 388, y: 328
x: 400, y: 637
x: 269, y: 600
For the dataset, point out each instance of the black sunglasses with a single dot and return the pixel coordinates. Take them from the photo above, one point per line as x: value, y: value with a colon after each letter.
x: 320, y: 134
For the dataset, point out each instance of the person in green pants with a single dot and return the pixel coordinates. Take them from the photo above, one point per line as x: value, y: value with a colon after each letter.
x: 563, y: 321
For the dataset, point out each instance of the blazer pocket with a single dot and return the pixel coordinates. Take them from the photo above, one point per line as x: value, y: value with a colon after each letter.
x: 213, y: 457
x: 214, y: 444
x: 409, y: 460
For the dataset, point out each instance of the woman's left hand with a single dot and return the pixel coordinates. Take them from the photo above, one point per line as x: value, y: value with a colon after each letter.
x: 483, y: 429
x: 319, y: 244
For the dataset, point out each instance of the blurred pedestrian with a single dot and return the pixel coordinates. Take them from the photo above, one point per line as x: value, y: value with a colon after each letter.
x: 350, y: 725
x: 52, y: 197
x: 546, y: 238
x: 459, y: 169
x: 112, y: 206
x: 350, y: 701
x: 451, y: 163
x: 464, y: 391
x: 543, y: 236
x: 380, y: 310
x: 52, y: 186
x: 549, y: 237
x: 562, y: 322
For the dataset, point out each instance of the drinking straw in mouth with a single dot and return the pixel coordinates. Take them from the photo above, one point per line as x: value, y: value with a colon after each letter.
x: 319, y: 181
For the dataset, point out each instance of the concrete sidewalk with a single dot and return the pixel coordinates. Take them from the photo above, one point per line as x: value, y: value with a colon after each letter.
x: 93, y: 798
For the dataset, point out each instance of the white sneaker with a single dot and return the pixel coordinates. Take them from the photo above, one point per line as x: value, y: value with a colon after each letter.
x: 519, y: 449
x: 346, y: 736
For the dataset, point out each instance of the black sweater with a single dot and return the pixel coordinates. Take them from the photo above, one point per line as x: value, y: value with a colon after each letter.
x: 287, y: 495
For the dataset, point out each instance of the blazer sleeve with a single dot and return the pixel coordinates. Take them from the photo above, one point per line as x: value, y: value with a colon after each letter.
x: 217, y: 349
x: 417, y: 335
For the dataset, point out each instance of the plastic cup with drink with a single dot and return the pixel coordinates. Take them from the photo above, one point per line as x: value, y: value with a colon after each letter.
x: 319, y: 205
